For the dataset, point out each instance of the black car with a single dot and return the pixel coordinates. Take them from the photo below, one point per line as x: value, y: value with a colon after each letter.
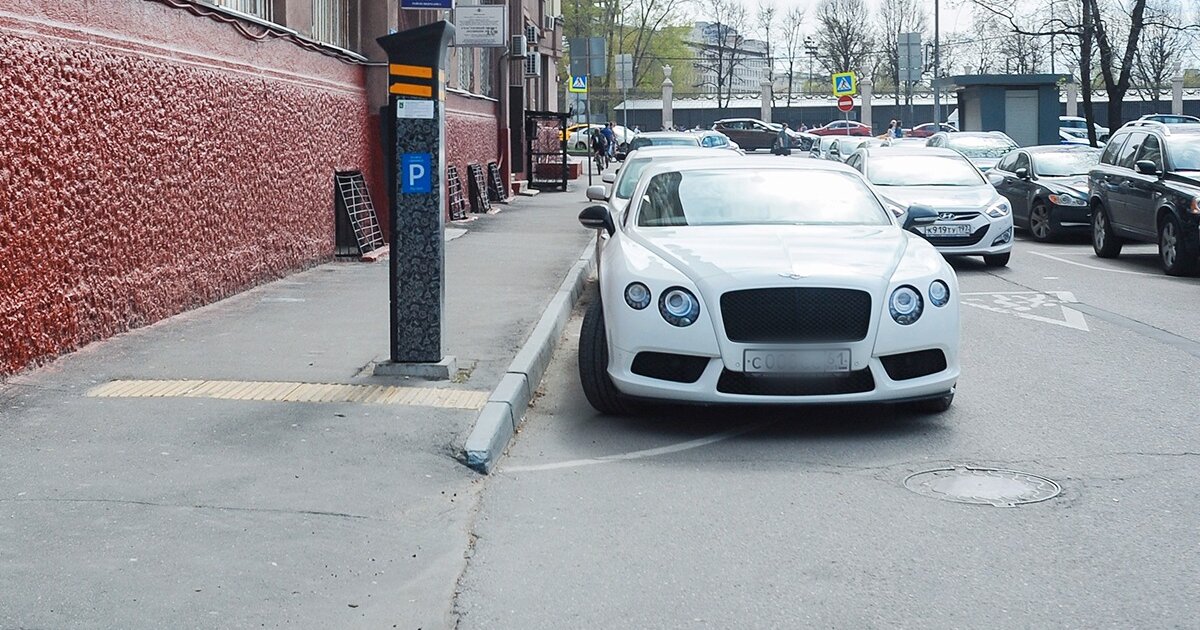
x: 1047, y: 187
x: 751, y: 133
x: 1146, y: 188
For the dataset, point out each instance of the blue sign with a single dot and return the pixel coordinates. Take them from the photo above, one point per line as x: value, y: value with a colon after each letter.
x: 416, y: 173
x: 427, y: 4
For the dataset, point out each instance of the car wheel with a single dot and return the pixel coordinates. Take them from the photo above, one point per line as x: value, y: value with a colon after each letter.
x: 940, y: 404
x: 1178, y: 257
x: 1041, y: 224
x: 593, y: 365
x: 579, y: 146
x: 997, y: 260
x: 1104, y: 242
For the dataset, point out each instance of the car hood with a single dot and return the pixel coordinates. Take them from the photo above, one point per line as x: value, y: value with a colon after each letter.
x: 1077, y: 184
x: 773, y: 253
x: 984, y: 164
x: 938, y: 197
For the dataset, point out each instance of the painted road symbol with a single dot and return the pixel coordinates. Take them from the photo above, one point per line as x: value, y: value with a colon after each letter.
x: 1039, y: 307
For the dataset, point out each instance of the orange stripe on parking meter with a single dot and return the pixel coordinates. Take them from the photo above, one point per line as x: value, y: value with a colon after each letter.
x: 408, y: 89
x: 417, y: 72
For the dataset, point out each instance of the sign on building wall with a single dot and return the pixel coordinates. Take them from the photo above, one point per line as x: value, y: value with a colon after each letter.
x: 481, y: 26
x: 444, y: 5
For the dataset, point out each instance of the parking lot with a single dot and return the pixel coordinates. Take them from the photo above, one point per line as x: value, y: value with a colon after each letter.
x: 1075, y: 369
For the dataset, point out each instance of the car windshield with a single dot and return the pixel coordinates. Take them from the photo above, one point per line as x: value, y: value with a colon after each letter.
x: 921, y: 170
x: 758, y: 197
x: 662, y: 141
x: 632, y: 170
x: 1066, y: 163
x: 1073, y: 124
x: 1185, y: 152
x: 980, y: 146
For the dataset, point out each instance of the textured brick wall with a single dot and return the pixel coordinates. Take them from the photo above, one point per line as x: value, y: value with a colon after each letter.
x: 152, y: 161
x: 471, y: 133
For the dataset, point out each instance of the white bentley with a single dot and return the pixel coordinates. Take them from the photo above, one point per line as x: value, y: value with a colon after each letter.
x: 781, y: 282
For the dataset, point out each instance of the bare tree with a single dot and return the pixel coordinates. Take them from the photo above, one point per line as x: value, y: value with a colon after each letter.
x: 844, y: 37
x: 1155, y: 59
x: 896, y: 17
x: 766, y: 22
x: 642, y: 24
x: 793, y: 44
x: 721, y: 48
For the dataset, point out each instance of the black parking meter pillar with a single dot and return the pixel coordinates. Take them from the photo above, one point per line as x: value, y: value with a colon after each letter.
x: 417, y: 251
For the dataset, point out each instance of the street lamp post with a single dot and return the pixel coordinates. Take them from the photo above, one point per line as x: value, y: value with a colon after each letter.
x: 810, y: 46
x: 937, y: 66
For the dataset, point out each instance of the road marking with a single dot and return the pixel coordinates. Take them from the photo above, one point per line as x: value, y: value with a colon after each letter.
x: 1024, y: 304
x: 1072, y: 262
x: 651, y: 452
x: 268, y: 391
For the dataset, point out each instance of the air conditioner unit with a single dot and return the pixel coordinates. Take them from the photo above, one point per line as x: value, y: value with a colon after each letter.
x: 548, y: 22
x: 533, y: 65
x: 531, y: 33
x: 518, y: 47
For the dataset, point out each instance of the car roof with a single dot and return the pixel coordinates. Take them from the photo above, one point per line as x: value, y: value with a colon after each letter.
x: 741, y: 163
x: 671, y: 151
x: 1061, y: 148
x: 913, y: 150
x: 666, y: 134
x: 977, y: 134
x: 1166, y: 128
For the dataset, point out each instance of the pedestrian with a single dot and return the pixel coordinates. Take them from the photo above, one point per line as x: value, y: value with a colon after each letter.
x: 599, y: 148
x: 610, y: 139
x: 783, y: 141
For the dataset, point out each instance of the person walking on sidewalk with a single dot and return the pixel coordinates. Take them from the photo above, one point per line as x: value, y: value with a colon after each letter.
x: 783, y: 141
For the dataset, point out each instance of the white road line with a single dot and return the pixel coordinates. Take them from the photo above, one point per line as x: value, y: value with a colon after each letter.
x: 1071, y: 317
x: 652, y: 452
x: 1072, y: 262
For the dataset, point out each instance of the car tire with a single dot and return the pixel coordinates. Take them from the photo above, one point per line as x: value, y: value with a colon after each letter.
x: 1041, y: 222
x: 997, y: 260
x: 940, y: 404
x: 593, y: 366
x: 1104, y: 242
x: 1179, y: 258
x: 579, y: 146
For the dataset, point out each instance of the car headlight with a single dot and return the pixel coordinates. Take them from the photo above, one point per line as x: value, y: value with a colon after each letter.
x: 1067, y: 200
x: 998, y: 210
x: 637, y: 296
x: 679, y: 307
x: 939, y: 293
x: 1195, y: 207
x: 905, y: 305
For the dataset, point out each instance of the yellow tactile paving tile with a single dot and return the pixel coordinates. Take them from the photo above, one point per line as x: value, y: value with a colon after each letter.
x: 272, y: 391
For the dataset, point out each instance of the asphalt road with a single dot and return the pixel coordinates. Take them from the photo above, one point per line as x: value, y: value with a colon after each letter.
x: 1077, y: 369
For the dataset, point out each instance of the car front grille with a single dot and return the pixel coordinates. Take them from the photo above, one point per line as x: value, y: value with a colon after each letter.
x: 679, y: 368
x: 959, y: 241
x: 788, y: 315
x: 902, y: 367
x: 855, y: 382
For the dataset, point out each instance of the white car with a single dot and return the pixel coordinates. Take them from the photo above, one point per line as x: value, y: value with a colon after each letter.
x: 973, y: 219
x: 1076, y: 127
x: 626, y: 178
x: 724, y: 286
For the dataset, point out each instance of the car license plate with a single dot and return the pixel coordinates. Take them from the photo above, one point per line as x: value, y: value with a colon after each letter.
x: 796, y: 361
x: 946, y: 230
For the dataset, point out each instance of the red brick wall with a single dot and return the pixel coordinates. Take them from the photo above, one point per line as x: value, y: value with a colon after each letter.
x: 470, y: 133
x: 152, y: 161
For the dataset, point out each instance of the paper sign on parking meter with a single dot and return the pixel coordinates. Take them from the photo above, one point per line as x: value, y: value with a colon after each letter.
x: 845, y: 84
x: 416, y: 169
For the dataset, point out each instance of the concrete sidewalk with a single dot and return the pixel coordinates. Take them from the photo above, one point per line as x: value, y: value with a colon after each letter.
x: 215, y: 510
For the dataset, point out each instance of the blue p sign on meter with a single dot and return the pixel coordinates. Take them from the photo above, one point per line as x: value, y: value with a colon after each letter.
x: 416, y: 173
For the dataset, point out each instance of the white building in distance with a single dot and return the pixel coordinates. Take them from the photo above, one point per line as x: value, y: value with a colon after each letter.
x: 746, y: 58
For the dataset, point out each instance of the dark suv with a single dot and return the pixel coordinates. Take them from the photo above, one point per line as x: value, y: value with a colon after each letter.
x: 751, y: 133
x: 1147, y: 188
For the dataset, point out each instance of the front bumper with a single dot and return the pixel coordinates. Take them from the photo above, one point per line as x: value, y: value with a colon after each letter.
x: 989, y: 236
x: 1063, y: 216
x: 707, y: 389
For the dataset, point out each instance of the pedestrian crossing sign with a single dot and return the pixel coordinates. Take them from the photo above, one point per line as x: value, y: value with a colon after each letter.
x: 578, y: 85
x: 845, y: 84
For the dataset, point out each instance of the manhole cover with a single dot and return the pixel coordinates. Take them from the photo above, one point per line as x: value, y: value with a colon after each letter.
x: 982, y: 486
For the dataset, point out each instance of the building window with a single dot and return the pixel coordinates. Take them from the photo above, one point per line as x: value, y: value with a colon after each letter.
x: 466, y: 69
x: 258, y: 8
x: 331, y: 21
x: 485, y: 71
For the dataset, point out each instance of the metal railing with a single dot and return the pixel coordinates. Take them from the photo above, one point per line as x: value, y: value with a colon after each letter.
x: 258, y: 8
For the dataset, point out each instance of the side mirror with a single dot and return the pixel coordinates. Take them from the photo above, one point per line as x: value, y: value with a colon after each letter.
x: 608, y: 178
x: 597, y: 218
x: 1146, y: 167
x: 596, y: 193
x: 1022, y: 173
x: 919, y: 215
